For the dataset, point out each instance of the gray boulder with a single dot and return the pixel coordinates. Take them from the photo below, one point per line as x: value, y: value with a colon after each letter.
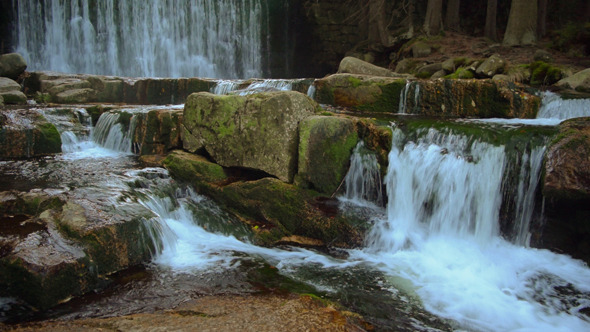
x: 491, y: 66
x: 580, y: 81
x: 12, y: 65
x: 258, y: 131
x: 351, y: 65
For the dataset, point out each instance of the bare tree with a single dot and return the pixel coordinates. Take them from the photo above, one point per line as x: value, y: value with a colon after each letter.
x: 433, y: 20
x: 522, y: 23
x: 452, y: 19
x: 490, y: 30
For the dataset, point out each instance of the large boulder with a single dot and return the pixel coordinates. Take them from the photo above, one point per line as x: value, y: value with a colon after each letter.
x: 258, y: 131
x: 566, y: 188
x: 567, y: 165
x: 326, y: 144
x: 26, y: 134
x: 10, y: 91
x: 580, y: 81
x: 12, y: 65
x: 352, y: 65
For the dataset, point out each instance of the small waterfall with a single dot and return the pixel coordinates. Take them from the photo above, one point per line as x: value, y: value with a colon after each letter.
x: 529, y: 176
x: 206, y: 38
x: 225, y: 87
x: 228, y: 87
x: 363, y: 181
x: 311, y: 91
x: 554, y: 107
x: 405, y: 93
x: 442, y: 233
x: 113, y: 132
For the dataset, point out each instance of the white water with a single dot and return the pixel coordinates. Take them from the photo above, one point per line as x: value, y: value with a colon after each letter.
x: 554, y: 107
x: 405, y: 93
x: 205, y: 38
x: 225, y: 87
x: 363, y: 183
x: 441, y: 233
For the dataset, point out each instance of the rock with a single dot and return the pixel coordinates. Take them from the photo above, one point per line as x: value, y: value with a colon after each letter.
x: 428, y: 70
x: 566, y: 188
x: 12, y: 65
x: 65, y: 246
x: 27, y: 134
x: 75, y: 96
x: 325, y: 140
x: 491, y: 66
x: 10, y: 92
x: 158, y: 132
x: 542, y: 55
x: 274, y: 209
x: 567, y: 166
x: 519, y: 74
x: 258, y: 131
x: 379, y: 94
x: 1, y: 100
x: 473, y: 98
x: 421, y: 49
x: 449, y: 65
x: 350, y: 65
x: 580, y: 81
x: 407, y: 66
x: 439, y: 74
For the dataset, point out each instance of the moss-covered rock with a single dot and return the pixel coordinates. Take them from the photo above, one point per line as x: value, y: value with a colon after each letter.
x: 325, y: 147
x: 196, y: 170
x: 54, y: 248
x: 543, y: 73
x: 258, y: 131
x: 351, y: 65
x: 26, y: 134
x: 580, y: 81
x: 567, y: 165
x: 157, y: 132
x: 491, y: 66
x: 371, y: 93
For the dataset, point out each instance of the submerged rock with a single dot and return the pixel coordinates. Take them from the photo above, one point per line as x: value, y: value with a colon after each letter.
x: 258, y: 131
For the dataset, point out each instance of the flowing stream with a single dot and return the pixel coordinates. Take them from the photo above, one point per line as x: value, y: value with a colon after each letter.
x: 436, y: 240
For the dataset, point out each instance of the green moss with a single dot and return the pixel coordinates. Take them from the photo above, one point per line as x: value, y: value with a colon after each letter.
x: 96, y: 111
x: 461, y: 73
x: 544, y: 73
x: 423, y: 75
x: 389, y: 99
x: 355, y: 82
x: 48, y: 141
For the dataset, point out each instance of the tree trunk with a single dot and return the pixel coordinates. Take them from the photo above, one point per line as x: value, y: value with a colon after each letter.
x: 542, y: 19
x: 490, y: 30
x: 452, y: 19
x: 522, y: 23
x: 378, y: 23
x: 433, y: 21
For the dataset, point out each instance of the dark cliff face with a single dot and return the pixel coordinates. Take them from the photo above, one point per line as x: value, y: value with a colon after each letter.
x: 7, y: 25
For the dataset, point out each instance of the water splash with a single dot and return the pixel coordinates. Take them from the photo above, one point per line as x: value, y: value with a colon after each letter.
x: 554, y: 107
x: 363, y: 183
x: 442, y: 233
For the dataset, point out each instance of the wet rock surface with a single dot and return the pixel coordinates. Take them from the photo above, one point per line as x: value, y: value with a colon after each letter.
x: 25, y: 133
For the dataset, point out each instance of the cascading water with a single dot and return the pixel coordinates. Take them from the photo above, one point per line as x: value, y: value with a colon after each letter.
x: 225, y: 87
x: 363, y: 180
x: 410, y: 87
x: 442, y: 233
x: 555, y: 107
x: 206, y: 38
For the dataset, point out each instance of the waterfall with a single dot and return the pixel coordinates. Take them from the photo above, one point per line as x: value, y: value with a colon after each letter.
x: 442, y: 233
x: 113, y: 132
x: 405, y: 93
x: 554, y: 107
x: 206, y: 38
x: 227, y: 87
x: 363, y: 180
